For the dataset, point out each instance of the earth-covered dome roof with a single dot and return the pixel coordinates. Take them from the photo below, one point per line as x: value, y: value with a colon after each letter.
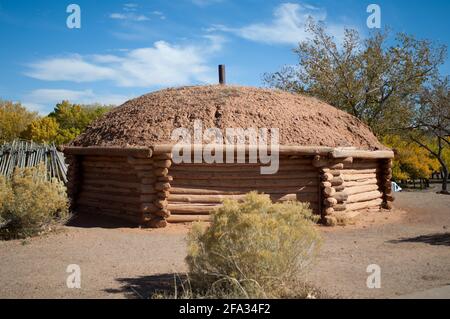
x: 150, y: 119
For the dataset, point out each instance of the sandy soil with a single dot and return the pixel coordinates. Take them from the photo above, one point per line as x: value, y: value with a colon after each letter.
x: 412, y: 247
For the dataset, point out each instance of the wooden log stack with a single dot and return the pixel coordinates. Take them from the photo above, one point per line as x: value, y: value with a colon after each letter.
x: 146, y: 187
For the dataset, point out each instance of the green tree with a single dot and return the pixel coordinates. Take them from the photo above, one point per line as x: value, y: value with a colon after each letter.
x: 373, y: 79
x: 14, y: 119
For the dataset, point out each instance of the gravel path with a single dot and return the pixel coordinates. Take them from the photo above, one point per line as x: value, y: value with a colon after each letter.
x: 411, y: 247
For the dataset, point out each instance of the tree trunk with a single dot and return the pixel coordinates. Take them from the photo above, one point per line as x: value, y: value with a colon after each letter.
x: 445, y: 177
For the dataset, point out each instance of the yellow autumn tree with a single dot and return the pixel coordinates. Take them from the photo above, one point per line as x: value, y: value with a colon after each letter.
x: 411, y: 160
x: 43, y: 130
x: 14, y: 119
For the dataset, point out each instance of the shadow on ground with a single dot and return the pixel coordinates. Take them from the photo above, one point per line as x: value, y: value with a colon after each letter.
x: 145, y: 287
x: 442, y: 239
x: 84, y: 220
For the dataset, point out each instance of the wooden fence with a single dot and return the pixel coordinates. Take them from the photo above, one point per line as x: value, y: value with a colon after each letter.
x: 29, y: 154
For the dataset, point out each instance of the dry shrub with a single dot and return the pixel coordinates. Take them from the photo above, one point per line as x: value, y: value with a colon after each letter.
x: 30, y: 204
x: 253, y: 249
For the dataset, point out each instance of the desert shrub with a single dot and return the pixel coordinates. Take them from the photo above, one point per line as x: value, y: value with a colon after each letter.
x: 253, y: 249
x: 30, y: 204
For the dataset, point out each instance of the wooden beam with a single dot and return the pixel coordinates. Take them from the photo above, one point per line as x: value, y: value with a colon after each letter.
x: 109, y: 151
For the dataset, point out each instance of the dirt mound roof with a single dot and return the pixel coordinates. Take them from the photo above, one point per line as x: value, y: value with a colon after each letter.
x: 151, y: 118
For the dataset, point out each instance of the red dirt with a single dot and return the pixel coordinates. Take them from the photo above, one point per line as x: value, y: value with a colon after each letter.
x: 150, y: 119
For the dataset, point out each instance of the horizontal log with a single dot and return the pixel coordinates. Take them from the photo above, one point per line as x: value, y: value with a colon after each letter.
x: 331, y: 163
x: 164, y: 213
x: 340, y: 207
x: 240, y: 190
x: 147, y: 198
x: 149, y: 208
x: 110, y: 198
x: 340, y: 197
x: 326, y: 177
x: 162, y: 186
x: 161, y: 171
x: 257, y: 184
x: 119, y: 184
x: 325, y: 184
x: 358, y: 177
x: 338, y: 153
x: 217, y: 199
x: 107, y: 159
x: 163, y: 164
x: 139, y: 161
x: 110, y: 165
x: 359, y: 171
x: 156, y: 222
x: 143, y: 168
x: 110, y: 190
x: 294, y: 164
x: 364, y: 205
x: 125, y: 208
x: 368, y: 164
x: 364, y: 197
x: 194, y: 175
x: 108, y: 151
x: 329, y: 191
x: 162, y: 194
x: 330, y: 202
x: 360, y: 189
x: 148, y: 181
x: 288, y: 150
x: 110, y: 177
x: 188, y: 218
x: 196, y: 209
x: 162, y: 156
x: 165, y: 178
x: 108, y: 170
x: 372, y: 181
x: 337, y: 181
x: 86, y: 209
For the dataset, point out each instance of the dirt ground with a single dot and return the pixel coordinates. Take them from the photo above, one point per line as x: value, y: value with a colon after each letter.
x: 411, y: 245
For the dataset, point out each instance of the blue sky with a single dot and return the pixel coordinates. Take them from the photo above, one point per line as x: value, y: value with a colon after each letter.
x: 127, y: 48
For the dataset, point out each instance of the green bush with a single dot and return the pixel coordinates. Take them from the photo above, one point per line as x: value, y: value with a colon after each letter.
x: 253, y: 249
x: 30, y: 204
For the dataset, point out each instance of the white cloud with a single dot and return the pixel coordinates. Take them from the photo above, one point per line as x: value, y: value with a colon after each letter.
x: 72, y: 68
x: 129, y: 13
x: 287, y: 27
x: 44, y: 100
x: 163, y: 64
x: 129, y: 16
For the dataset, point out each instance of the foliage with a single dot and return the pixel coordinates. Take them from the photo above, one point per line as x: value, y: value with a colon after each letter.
x: 30, y: 204
x: 42, y: 130
x: 411, y: 161
x: 369, y: 78
x: 64, y: 124
x: 252, y: 248
x: 14, y: 118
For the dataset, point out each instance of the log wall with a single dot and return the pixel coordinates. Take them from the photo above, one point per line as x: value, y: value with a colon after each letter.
x: 197, y: 189
x: 353, y: 185
x: 145, y: 187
